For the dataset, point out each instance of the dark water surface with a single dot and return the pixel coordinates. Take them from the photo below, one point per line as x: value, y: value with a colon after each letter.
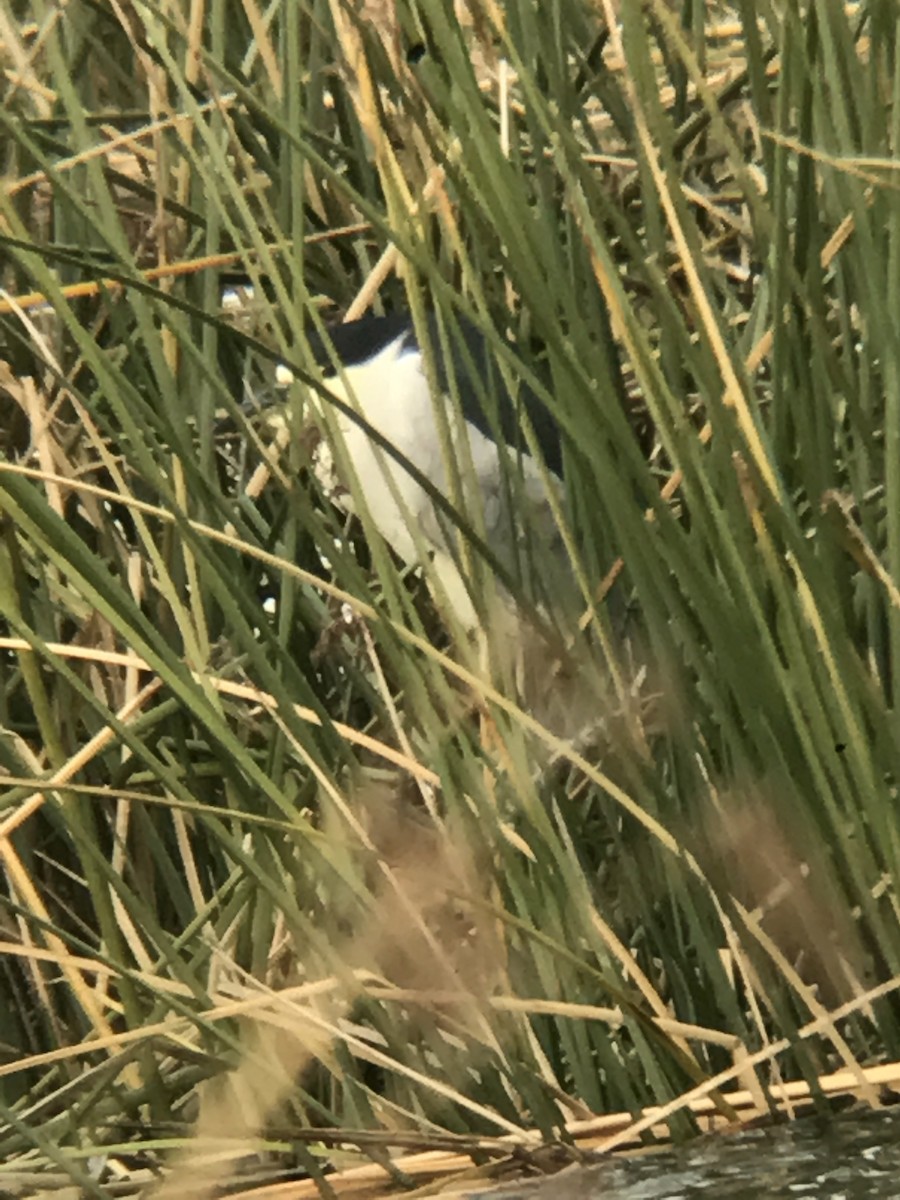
x: 850, y: 1157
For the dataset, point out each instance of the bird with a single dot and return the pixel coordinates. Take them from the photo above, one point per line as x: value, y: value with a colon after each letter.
x: 437, y: 471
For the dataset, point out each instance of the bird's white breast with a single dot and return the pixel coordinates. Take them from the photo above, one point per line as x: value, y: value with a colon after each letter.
x: 390, y: 391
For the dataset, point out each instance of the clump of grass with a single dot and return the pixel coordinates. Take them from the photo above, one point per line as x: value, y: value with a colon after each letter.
x: 276, y: 849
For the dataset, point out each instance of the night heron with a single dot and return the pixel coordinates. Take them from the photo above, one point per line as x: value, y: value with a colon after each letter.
x: 397, y: 442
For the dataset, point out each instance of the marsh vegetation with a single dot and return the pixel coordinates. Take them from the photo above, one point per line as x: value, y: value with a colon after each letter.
x: 293, y: 885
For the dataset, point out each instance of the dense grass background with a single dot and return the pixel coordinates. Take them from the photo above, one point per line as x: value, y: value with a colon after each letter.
x: 279, y: 853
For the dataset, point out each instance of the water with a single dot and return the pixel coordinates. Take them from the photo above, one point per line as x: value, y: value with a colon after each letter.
x: 851, y: 1157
